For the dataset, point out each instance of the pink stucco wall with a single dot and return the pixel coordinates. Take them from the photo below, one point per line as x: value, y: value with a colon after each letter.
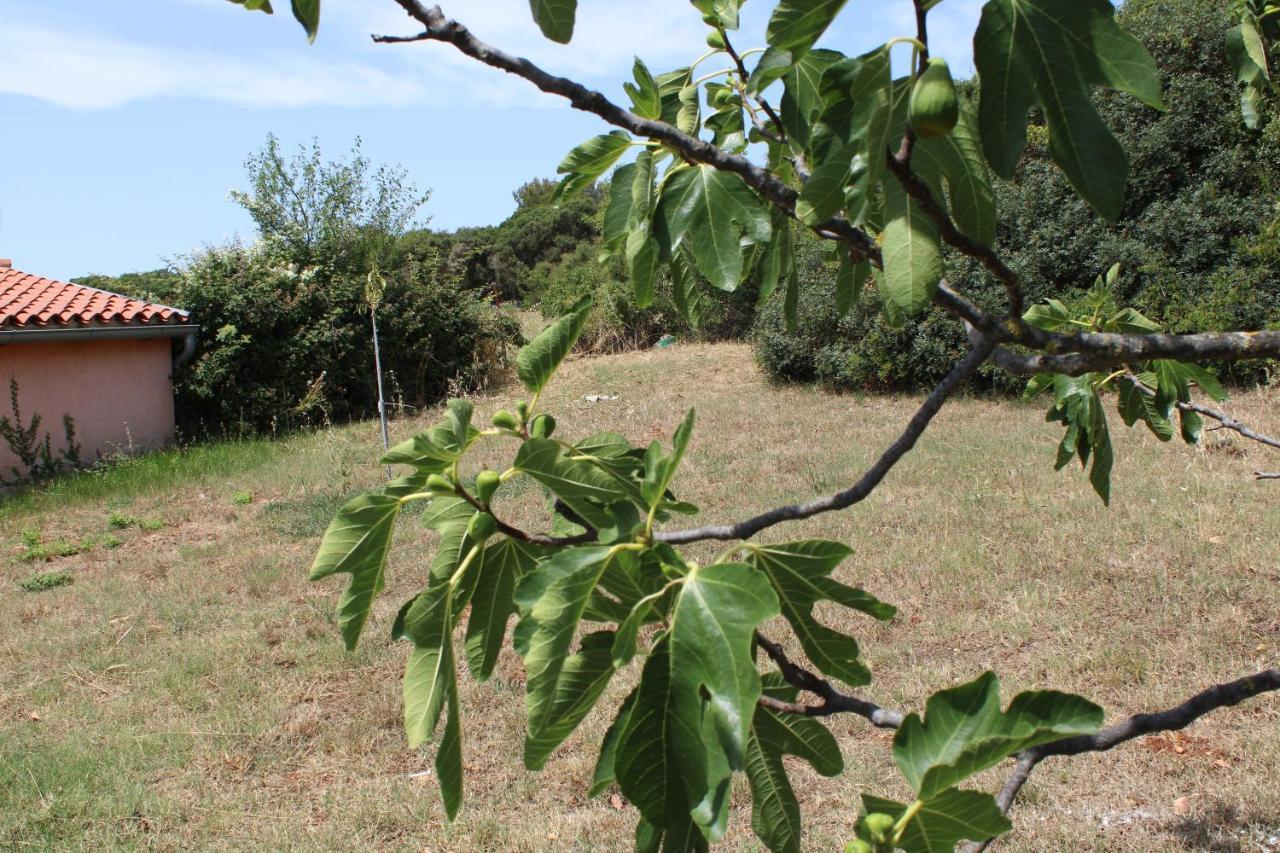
x: 118, y: 392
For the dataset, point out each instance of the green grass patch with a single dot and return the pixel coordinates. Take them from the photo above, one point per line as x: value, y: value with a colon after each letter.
x: 45, y: 580
x: 145, y: 474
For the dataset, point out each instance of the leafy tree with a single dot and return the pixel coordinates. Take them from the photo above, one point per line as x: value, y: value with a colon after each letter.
x: 342, y: 212
x: 536, y: 193
x: 154, y: 285
x: 889, y: 170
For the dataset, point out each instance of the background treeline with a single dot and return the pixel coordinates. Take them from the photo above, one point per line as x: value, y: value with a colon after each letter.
x: 1199, y: 241
x: 284, y: 321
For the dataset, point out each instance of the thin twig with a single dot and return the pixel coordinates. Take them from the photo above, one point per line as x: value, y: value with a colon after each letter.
x: 833, y: 701
x: 1222, y: 418
x: 957, y: 239
x: 745, y: 75
x: 521, y: 535
x: 1230, y: 423
x: 78, y: 677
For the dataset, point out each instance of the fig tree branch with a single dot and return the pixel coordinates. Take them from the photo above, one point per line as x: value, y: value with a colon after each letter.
x: 436, y: 27
x: 1178, y: 717
x: 1175, y: 718
x: 955, y: 238
x: 1230, y: 423
x: 1222, y: 418
x: 1088, y: 352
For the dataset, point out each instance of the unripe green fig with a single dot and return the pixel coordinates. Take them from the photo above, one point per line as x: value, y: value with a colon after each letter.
x: 857, y: 845
x: 715, y: 40
x: 438, y: 485
x: 935, y: 106
x: 879, y: 826
x: 482, y: 526
x: 542, y: 426
x: 711, y: 20
x: 487, y: 483
x: 505, y: 420
x: 722, y: 98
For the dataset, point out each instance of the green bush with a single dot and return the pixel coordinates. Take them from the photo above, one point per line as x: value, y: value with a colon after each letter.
x: 616, y: 323
x: 283, y: 347
x: 857, y: 352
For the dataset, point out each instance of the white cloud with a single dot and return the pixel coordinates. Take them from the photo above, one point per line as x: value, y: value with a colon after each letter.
x: 93, y: 70
x: 607, y: 36
x: 82, y: 71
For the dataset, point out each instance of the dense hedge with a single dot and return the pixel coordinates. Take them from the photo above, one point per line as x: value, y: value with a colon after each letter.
x: 282, y: 347
x: 1199, y: 240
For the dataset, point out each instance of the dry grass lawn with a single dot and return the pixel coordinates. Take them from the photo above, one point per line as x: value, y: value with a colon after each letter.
x: 189, y: 689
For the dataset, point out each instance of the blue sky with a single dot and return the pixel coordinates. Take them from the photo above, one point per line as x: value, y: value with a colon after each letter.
x: 127, y: 122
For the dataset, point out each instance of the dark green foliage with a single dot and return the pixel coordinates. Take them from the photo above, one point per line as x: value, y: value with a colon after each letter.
x: 282, y: 347
x: 858, y: 351
x: 1202, y: 188
x: 617, y: 323
x: 153, y: 285
x: 549, y: 254
x: 1198, y: 240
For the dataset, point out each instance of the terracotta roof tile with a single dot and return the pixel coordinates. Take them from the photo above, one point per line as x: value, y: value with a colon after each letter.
x: 32, y: 302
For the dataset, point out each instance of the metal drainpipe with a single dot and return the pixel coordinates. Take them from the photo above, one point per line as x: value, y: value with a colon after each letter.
x: 188, y: 351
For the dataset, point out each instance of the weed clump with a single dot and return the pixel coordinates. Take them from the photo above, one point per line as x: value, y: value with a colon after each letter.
x: 45, y: 580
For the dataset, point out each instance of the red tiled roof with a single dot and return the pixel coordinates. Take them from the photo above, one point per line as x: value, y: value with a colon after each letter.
x: 32, y: 302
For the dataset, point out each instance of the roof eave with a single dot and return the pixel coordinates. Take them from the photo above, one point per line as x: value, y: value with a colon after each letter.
x: 97, y: 333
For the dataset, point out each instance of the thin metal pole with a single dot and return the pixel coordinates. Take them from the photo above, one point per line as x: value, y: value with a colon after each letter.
x: 377, y: 366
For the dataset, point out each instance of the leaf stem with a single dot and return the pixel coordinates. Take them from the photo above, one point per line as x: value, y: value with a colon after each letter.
x: 917, y: 47
x: 900, y: 828
x: 724, y: 555
x: 711, y: 76
x: 701, y: 59
x: 464, y: 565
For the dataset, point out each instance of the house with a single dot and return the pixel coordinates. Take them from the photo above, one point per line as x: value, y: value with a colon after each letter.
x: 96, y: 367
